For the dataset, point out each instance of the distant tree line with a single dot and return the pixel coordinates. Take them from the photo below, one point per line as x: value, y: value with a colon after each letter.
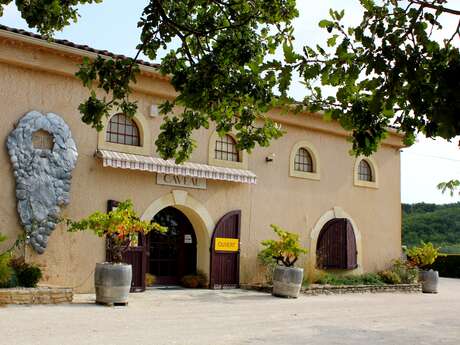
x: 439, y: 224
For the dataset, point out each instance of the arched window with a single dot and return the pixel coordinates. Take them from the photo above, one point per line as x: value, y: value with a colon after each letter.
x: 365, y: 171
x: 122, y: 130
x: 225, y: 149
x: 303, y: 161
x: 336, y: 246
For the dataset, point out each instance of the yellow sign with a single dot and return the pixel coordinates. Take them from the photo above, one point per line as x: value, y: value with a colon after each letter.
x: 226, y: 244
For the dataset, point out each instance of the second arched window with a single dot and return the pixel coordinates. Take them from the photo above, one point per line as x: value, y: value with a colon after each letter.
x: 122, y: 130
x: 226, y: 149
x: 365, y: 171
x: 303, y: 161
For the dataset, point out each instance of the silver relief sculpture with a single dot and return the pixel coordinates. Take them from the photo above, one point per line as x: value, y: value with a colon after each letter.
x: 43, y: 155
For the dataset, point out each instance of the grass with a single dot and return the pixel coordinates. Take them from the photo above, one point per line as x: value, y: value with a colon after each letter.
x: 362, y: 279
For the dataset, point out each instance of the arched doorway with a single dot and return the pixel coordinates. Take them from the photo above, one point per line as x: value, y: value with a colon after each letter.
x: 330, y: 215
x: 336, y: 246
x: 173, y: 254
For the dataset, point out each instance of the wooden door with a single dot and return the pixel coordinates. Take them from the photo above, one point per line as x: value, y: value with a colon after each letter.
x: 336, y: 247
x: 172, y: 255
x: 135, y: 255
x: 225, y: 262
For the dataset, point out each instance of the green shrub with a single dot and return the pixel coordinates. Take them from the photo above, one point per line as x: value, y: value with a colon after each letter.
x: 423, y: 255
x: 401, y: 272
x: 371, y: 279
x: 286, y: 250
x: 361, y: 279
x: 269, y: 265
x: 390, y: 277
x: 447, y: 265
x: 28, y: 275
x: 6, y: 272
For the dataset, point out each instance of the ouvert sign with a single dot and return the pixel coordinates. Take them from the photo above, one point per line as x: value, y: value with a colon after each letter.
x: 182, y: 181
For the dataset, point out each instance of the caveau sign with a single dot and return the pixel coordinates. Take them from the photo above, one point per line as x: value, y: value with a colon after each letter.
x: 226, y: 244
x: 182, y: 181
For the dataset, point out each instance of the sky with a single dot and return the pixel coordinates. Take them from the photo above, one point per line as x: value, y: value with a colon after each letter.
x: 112, y: 25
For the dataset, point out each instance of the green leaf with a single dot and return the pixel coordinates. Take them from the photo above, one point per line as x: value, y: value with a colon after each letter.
x: 325, y: 23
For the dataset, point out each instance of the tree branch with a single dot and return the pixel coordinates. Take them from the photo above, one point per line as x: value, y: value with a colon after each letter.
x: 457, y: 31
x: 435, y: 7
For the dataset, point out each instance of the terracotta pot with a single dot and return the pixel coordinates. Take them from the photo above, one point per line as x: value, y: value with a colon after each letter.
x: 287, y: 281
x: 430, y: 281
x: 112, y: 282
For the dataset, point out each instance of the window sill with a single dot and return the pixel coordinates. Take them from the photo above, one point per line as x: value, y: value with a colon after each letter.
x: 366, y: 184
x: 137, y: 150
x: 227, y: 164
x: 305, y: 175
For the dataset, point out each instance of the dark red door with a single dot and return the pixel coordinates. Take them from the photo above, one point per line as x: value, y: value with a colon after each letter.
x: 336, y: 247
x: 172, y: 255
x: 225, y: 252
x: 136, y: 255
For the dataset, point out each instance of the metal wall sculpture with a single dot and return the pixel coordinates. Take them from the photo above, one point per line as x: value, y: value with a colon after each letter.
x: 43, y: 155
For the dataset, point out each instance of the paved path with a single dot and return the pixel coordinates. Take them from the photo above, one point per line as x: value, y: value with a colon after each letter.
x: 241, y: 317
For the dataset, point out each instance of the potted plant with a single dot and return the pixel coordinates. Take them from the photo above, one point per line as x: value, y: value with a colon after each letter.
x: 421, y: 257
x: 112, y: 279
x: 287, y: 279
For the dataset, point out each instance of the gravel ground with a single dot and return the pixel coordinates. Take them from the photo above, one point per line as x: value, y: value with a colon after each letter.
x: 175, y: 316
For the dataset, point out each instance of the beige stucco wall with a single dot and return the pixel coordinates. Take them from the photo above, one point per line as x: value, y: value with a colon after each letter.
x: 37, y: 77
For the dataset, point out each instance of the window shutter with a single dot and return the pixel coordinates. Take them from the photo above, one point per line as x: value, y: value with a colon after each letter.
x: 351, y: 247
x: 336, y: 247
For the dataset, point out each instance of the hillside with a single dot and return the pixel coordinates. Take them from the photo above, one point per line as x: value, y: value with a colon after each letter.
x: 439, y: 224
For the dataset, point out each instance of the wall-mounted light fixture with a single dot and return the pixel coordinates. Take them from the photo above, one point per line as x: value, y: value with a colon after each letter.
x: 154, y: 111
x: 270, y: 157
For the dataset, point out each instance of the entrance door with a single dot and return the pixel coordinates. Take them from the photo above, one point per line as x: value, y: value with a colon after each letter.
x: 225, y: 252
x: 172, y: 254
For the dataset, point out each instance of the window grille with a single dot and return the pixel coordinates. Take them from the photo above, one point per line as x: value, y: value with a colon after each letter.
x: 122, y: 130
x: 364, y: 171
x: 226, y: 150
x: 303, y: 161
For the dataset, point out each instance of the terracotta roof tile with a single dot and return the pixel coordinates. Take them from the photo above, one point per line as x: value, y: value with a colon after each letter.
x: 75, y: 45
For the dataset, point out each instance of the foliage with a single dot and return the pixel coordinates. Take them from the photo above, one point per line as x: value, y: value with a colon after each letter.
x: 447, y: 265
x: 401, y: 272
x: 6, y: 272
x: 150, y: 279
x: 390, y: 277
x: 117, y: 225
x: 195, y: 280
x: 269, y: 264
x: 286, y: 250
x: 388, y: 70
x: 28, y: 275
x: 423, y: 255
x: 362, y: 279
x: 450, y: 186
x: 438, y: 224
x: 218, y: 67
x: 50, y: 15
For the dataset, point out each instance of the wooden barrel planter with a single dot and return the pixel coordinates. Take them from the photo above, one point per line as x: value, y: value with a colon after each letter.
x: 112, y: 283
x: 430, y: 281
x: 287, y: 281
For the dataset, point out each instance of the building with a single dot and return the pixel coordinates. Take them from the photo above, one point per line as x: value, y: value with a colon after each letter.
x: 306, y: 181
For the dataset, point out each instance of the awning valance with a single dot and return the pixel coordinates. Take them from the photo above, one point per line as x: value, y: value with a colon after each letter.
x: 153, y: 164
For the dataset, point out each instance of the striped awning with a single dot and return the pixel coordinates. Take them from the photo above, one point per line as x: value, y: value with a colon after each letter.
x: 157, y: 165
